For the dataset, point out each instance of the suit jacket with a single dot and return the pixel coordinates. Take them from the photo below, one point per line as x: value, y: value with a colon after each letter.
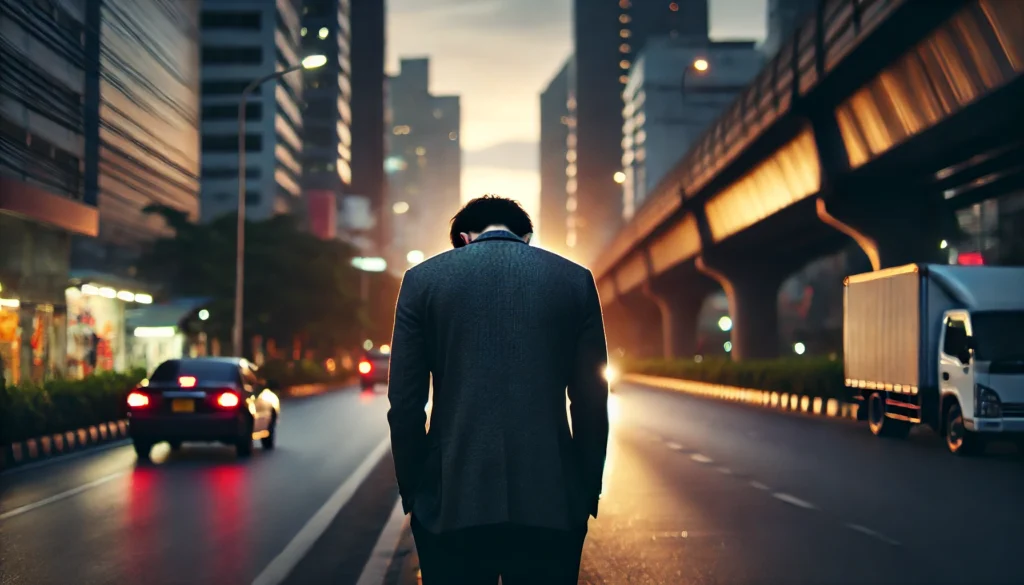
x: 504, y: 330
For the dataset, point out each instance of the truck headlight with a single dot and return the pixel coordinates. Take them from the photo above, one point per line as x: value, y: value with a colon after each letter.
x: 986, y: 402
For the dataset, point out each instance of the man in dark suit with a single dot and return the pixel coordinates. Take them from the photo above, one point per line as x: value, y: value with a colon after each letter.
x: 499, y: 485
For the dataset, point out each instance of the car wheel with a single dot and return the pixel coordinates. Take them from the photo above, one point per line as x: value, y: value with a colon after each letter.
x: 269, y: 441
x: 959, y: 440
x: 243, y: 448
x: 175, y: 445
x: 142, y: 449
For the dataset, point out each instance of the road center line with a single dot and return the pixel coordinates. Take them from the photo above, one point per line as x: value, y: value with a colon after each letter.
x: 873, y: 534
x: 674, y: 446
x: 376, y: 569
x: 700, y: 458
x: 283, y: 564
x: 759, y: 485
x: 794, y: 501
x: 61, y: 496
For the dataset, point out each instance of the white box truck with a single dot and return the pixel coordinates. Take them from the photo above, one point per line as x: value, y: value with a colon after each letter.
x: 937, y: 345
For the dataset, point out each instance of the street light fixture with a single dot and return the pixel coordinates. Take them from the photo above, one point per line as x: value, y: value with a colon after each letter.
x: 700, y: 66
x: 310, y: 62
x: 620, y: 177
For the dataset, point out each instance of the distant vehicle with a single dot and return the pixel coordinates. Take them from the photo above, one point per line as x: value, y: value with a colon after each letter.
x: 373, y: 368
x: 206, y: 400
x: 939, y: 345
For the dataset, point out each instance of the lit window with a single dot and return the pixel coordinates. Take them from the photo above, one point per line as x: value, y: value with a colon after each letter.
x: 402, y: 130
x: 303, y: 31
x: 623, y: 79
x: 624, y: 48
x: 673, y: 6
x: 323, y: 33
x: 624, y: 33
x: 624, y: 18
x: 624, y: 64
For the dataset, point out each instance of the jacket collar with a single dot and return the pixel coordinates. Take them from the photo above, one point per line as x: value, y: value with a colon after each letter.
x: 497, y: 235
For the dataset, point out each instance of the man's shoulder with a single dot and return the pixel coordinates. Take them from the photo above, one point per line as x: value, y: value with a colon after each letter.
x: 440, y: 265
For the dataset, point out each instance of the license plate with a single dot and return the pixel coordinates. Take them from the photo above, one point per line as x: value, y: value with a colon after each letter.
x: 183, y: 405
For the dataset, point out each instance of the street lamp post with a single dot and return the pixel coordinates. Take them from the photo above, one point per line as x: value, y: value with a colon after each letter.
x: 311, y: 62
x: 699, y: 66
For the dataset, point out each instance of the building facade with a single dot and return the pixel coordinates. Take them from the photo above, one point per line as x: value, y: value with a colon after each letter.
x: 784, y: 17
x: 142, y: 124
x: 554, y: 160
x: 327, y: 112
x: 666, y: 110
x: 369, y: 185
x: 242, y: 42
x: 607, y: 37
x: 425, y: 160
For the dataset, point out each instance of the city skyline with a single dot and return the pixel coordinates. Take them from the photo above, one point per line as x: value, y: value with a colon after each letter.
x: 527, y: 41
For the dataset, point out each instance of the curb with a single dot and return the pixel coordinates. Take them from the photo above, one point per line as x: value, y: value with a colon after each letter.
x: 29, y: 450
x: 813, y: 405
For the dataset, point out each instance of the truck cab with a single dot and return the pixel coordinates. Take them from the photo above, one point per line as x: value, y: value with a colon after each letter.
x: 981, y: 376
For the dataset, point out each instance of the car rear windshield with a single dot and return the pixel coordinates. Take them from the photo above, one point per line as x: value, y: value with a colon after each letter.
x: 204, y: 371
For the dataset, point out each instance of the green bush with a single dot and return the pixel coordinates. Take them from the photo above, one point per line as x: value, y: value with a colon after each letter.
x: 287, y: 373
x: 818, y: 377
x: 30, y: 410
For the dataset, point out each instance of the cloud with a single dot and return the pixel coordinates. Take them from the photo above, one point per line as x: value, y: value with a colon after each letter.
x: 515, y: 155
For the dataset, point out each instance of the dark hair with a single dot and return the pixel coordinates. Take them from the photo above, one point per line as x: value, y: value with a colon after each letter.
x: 490, y: 210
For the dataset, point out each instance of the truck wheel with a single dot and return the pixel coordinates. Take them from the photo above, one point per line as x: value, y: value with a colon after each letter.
x: 959, y: 440
x: 881, y: 425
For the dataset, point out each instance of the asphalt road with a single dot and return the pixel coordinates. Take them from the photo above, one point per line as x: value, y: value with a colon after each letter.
x: 197, y: 516
x: 706, y: 492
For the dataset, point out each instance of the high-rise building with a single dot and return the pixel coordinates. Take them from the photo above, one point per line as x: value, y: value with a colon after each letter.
x: 607, y: 37
x: 368, y: 114
x: 327, y: 115
x: 784, y: 17
x: 141, y: 123
x: 554, y: 160
x: 666, y: 110
x: 42, y: 184
x: 242, y: 42
x: 426, y: 162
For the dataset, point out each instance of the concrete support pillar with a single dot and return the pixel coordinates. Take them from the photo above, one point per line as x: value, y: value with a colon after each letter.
x: 892, y: 229
x: 639, y: 326
x: 679, y: 301
x: 753, y: 292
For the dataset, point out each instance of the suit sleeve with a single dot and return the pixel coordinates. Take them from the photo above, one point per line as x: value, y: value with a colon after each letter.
x: 588, y: 395
x: 408, y: 390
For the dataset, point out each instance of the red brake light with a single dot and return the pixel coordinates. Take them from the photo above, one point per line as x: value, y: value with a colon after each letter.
x: 187, y: 381
x: 365, y: 367
x: 137, y: 400
x: 227, y: 400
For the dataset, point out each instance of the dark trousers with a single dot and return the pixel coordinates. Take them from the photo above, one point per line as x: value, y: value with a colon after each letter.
x: 520, y: 555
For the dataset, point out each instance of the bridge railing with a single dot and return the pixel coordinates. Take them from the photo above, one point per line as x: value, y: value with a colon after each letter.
x: 828, y: 36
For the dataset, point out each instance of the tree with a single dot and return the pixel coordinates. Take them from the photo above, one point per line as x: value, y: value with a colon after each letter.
x: 297, y: 287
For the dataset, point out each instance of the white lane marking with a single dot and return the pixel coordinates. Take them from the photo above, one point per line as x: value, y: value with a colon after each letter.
x: 724, y: 471
x: 279, y: 568
x: 61, y: 496
x: 794, y: 501
x: 64, y: 457
x: 701, y: 458
x: 376, y: 568
x: 873, y: 534
x: 759, y: 485
x: 674, y: 446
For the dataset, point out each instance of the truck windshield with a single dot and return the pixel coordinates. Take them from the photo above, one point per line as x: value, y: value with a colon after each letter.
x: 998, y: 335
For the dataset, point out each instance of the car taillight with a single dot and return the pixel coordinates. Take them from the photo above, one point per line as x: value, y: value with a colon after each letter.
x: 365, y: 367
x: 138, y: 400
x: 227, y: 400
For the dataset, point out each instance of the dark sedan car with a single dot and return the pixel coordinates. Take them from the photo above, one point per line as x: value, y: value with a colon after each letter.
x: 373, y: 369
x: 204, y: 399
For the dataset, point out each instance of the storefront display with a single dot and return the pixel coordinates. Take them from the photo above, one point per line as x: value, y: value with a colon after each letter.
x: 95, y: 333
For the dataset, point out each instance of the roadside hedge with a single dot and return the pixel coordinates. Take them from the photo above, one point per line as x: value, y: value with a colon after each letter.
x: 816, y: 377
x: 29, y: 410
